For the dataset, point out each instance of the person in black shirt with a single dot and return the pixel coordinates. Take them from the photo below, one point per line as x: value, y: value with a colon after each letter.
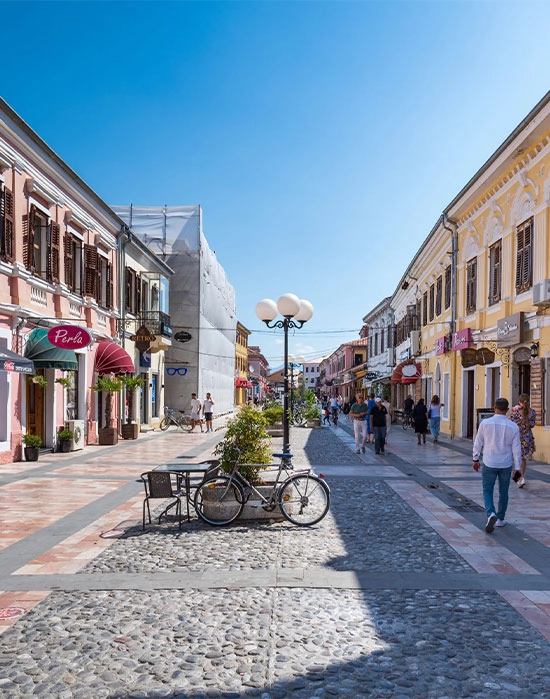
x: 378, y: 424
x: 420, y: 417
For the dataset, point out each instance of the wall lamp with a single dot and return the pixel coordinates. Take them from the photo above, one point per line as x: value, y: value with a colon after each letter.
x: 534, y: 350
x: 406, y: 284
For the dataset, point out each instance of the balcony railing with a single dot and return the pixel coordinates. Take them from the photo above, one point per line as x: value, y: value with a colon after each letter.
x: 156, y: 322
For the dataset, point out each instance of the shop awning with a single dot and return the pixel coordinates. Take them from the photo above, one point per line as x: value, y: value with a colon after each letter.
x: 111, y: 358
x: 407, y: 372
x: 10, y: 361
x: 45, y: 355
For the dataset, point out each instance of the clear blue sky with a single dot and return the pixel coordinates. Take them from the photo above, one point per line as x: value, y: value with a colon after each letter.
x: 322, y: 139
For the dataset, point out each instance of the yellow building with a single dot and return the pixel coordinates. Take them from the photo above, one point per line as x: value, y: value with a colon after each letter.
x: 241, y: 364
x: 471, y: 310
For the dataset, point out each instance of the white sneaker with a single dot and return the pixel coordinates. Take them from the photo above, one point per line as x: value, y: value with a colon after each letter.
x: 521, y: 482
x: 491, y: 523
x: 501, y: 523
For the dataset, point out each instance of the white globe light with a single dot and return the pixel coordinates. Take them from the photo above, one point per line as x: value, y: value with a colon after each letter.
x: 305, y: 312
x: 288, y: 305
x: 266, y: 309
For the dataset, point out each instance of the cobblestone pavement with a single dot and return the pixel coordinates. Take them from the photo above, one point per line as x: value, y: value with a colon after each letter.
x: 398, y: 592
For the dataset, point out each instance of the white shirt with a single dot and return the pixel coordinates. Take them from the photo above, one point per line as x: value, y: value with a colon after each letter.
x: 195, y: 406
x: 207, y: 405
x: 498, y: 440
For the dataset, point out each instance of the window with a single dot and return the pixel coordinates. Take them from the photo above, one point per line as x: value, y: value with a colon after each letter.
x: 133, y: 291
x: 72, y: 249
x: 471, y: 286
x: 98, y: 277
x: 495, y: 256
x: 448, y: 287
x: 438, y: 295
x: 6, y: 223
x: 432, y: 301
x: 524, y: 267
x: 41, y: 241
x: 425, y: 308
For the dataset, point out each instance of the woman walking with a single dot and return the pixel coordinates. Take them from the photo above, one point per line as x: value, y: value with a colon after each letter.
x: 420, y: 417
x: 434, y: 416
x: 524, y: 416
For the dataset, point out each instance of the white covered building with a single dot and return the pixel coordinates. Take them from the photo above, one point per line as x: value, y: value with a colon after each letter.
x: 203, y: 315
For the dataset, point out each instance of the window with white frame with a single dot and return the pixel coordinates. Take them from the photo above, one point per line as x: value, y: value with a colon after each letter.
x: 41, y: 243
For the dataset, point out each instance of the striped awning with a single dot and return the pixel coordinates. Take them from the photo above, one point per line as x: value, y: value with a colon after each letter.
x: 111, y: 358
x: 45, y: 355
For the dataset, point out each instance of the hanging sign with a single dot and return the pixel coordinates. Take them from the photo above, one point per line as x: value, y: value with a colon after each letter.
x: 69, y: 337
x: 143, y: 338
x: 462, y: 340
x: 510, y: 330
x: 182, y: 336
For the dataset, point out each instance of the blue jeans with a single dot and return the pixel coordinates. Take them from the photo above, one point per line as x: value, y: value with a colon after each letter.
x: 379, y: 439
x: 489, y: 477
x: 435, y: 423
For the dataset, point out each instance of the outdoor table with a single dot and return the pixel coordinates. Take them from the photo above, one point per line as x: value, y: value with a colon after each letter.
x: 183, y: 473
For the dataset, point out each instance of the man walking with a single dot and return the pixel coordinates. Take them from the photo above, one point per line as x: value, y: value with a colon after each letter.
x: 195, y: 412
x: 378, y: 425
x: 499, y: 444
x: 359, y: 414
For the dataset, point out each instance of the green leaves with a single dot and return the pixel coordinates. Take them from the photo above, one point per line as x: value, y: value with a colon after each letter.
x: 246, y: 442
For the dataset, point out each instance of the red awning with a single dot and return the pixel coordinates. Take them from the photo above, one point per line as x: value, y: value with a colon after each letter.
x: 111, y: 358
x: 407, y: 372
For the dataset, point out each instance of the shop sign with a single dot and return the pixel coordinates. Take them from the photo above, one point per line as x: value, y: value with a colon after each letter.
x: 405, y: 354
x: 441, y: 345
x: 69, y: 337
x: 468, y: 357
x: 371, y: 375
x: 461, y: 339
x: 143, y: 338
x: 510, y: 330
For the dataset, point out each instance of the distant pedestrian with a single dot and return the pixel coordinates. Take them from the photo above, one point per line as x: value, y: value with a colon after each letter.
x: 498, y: 443
x: 378, y: 425
x: 434, y: 416
x: 370, y: 406
x: 196, y: 407
x: 408, y: 405
x: 420, y: 417
x: 389, y: 416
x: 208, y: 411
x: 524, y: 416
x: 326, y: 415
x: 359, y: 414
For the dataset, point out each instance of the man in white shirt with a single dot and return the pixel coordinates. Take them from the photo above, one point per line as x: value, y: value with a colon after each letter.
x: 195, y: 412
x: 500, y: 445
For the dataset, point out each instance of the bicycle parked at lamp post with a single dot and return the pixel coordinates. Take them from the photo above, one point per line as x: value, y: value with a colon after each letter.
x: 302, y: 497
x: 182, y: 421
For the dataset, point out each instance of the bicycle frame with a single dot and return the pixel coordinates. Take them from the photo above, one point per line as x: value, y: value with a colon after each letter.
x: 271, y: 501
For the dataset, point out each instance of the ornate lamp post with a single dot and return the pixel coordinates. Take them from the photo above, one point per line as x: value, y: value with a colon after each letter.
x: 295, y: 313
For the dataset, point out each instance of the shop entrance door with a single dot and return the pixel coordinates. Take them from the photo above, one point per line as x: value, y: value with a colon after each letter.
x: 470, y: 392
x: 35, y: 409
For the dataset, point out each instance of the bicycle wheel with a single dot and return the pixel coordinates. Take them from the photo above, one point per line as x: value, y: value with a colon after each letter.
x: 165, y: 423
x: 304, y: 499
x: 219, y: 500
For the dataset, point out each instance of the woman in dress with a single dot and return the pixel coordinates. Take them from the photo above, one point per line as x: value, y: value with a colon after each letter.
x: 434, y: 415
x: 420, y: 417
x: 524, y: 416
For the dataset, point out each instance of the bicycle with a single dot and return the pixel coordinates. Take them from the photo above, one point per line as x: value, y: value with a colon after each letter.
x: 182, y: 421
x: 302, y: 497
x: 407, y: 421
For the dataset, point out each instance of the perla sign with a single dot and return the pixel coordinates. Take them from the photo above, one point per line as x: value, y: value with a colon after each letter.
x: 69, y: 337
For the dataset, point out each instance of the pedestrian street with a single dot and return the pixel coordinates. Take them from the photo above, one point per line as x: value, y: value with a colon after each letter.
x: 398, y: 592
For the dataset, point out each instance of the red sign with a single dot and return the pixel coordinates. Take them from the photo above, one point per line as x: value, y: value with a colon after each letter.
x: 69, y: 337
x: 462, y: 339
x: 9, y: 366
x: 441, y: 345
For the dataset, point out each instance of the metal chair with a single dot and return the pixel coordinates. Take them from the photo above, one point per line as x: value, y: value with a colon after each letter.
x: 158, y: 486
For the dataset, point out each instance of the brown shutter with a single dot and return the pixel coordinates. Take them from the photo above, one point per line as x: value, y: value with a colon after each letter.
x: 28, y: 238
x: 128, y: 294
x: 110, y: 289
x: 519, y: 258
x: 526, y: 262
x: 137, y: 294
x: 53, y: 252
x: 6, y: 213
x: 90, y: 271
x: 68, y: 260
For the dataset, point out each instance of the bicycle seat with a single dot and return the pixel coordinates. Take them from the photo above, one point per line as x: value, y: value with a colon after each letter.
x: 287, y: 455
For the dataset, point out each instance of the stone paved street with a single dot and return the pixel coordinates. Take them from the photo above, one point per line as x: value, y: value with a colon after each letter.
x: 398, y: 592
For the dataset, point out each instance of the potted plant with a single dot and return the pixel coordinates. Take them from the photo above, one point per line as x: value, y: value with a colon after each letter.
x: 65, y: 381
x: 129, y: 429
x: 37, y: 380
x: 64, y: 439
x: 32, y: 443
x: 312, y: 415
x: 109, y: 386
x: 247, y: 442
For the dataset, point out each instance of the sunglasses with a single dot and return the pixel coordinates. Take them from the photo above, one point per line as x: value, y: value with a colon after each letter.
x: 176, y: 370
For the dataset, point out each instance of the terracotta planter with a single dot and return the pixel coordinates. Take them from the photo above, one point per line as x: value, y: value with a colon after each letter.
x: 129, y: 431
x: 108, y: 435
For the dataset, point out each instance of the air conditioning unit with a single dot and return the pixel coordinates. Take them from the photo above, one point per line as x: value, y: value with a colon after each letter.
x: 415, y: 342
x: 77, y: 428
x: 541, y: 293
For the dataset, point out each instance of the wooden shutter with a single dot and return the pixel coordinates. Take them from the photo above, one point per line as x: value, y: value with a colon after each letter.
x: 524, y: 256
x: 471, y: 286
x: 137, y: 294
x: 68, y: 260
x: 52, y: 272
x: 90, y: 271
x: 109, y: 286
x: 28, y: 238
x: 494, y: 272
x: 129, y: 285
x: 7, y: 222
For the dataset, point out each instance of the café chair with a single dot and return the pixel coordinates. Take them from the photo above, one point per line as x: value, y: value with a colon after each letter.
x: 158, y: 486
